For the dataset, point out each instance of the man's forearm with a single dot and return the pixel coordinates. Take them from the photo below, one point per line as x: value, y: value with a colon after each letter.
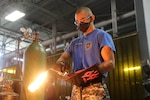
x: 62, y: 61
x: 106, y: 66
x: 64, y: 57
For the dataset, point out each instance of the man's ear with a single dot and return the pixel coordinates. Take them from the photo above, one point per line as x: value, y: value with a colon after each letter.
x: 93, y: 17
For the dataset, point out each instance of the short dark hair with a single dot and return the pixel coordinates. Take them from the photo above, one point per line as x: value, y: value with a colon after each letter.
x: 86, y: 9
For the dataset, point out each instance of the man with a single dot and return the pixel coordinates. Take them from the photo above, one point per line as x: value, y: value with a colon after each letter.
x: 95, y: 46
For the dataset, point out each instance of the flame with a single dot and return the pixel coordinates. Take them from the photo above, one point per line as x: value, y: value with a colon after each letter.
x: 37, y: 83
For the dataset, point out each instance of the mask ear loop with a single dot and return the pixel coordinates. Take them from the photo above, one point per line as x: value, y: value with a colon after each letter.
x: 90, y: 19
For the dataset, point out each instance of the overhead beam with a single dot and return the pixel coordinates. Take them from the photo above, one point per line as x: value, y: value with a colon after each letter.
x: 38, y: 7
x: 67, y: 13
x: 71, y: 3
x: 13, y: 33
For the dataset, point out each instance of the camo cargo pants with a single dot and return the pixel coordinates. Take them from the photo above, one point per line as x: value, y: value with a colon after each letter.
x: 95, y: 91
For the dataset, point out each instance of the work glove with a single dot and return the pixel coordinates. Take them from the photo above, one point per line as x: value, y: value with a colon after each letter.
x: 85, y: 77
x: 61, y: 66
x: 60, y: 69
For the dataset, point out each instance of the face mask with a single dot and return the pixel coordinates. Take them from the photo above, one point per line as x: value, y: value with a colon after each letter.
x: 83, y: 26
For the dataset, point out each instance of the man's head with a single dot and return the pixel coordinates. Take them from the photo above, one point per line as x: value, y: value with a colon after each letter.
x: 84, y: 19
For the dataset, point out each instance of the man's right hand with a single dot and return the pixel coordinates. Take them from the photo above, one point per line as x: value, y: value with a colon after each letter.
x: 61, y: 66
x: 58, y: 70
x: 57, y: 67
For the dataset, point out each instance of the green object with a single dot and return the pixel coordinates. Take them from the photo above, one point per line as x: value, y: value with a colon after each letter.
x: 34, y: 64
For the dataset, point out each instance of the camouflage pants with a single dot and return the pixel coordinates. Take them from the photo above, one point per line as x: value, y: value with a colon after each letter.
x: 96, y: 91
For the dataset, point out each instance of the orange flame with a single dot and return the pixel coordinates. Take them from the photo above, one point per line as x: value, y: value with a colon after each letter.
x: 37, y: 83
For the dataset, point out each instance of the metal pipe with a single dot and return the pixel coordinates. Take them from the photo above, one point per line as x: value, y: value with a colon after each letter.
x: 104, y: 23
x: 54, y: 32
x: 123, y: 26
x: 126, y: 36
x: 114, y: 18
x: 66, y: 36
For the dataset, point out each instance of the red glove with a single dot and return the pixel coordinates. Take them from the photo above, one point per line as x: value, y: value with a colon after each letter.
x: 86, y: 76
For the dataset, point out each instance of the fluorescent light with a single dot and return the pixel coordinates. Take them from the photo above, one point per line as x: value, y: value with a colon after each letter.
x: 14, y: 16
x: 58, y: 46
x: 1, y: 54
x: 132, y: 68
x: 18, y: 59
x: 11, y: 71
x: 47, y: 49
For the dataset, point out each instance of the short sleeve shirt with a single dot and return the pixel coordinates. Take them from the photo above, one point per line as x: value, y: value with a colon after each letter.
x: 85, y: 50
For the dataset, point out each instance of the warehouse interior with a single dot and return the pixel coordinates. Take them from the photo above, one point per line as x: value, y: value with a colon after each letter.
x: 127, y: 21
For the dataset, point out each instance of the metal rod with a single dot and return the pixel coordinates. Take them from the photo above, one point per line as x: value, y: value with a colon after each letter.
x: 114, y: 18
x: 54, y: 31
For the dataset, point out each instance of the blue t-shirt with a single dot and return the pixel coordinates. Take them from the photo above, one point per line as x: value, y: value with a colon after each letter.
x: 85, y: 50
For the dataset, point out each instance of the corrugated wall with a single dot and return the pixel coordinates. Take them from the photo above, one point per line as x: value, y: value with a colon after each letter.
x: 124, y: 83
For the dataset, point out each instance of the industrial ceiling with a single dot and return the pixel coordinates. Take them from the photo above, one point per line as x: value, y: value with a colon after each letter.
x: 42, y: 15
